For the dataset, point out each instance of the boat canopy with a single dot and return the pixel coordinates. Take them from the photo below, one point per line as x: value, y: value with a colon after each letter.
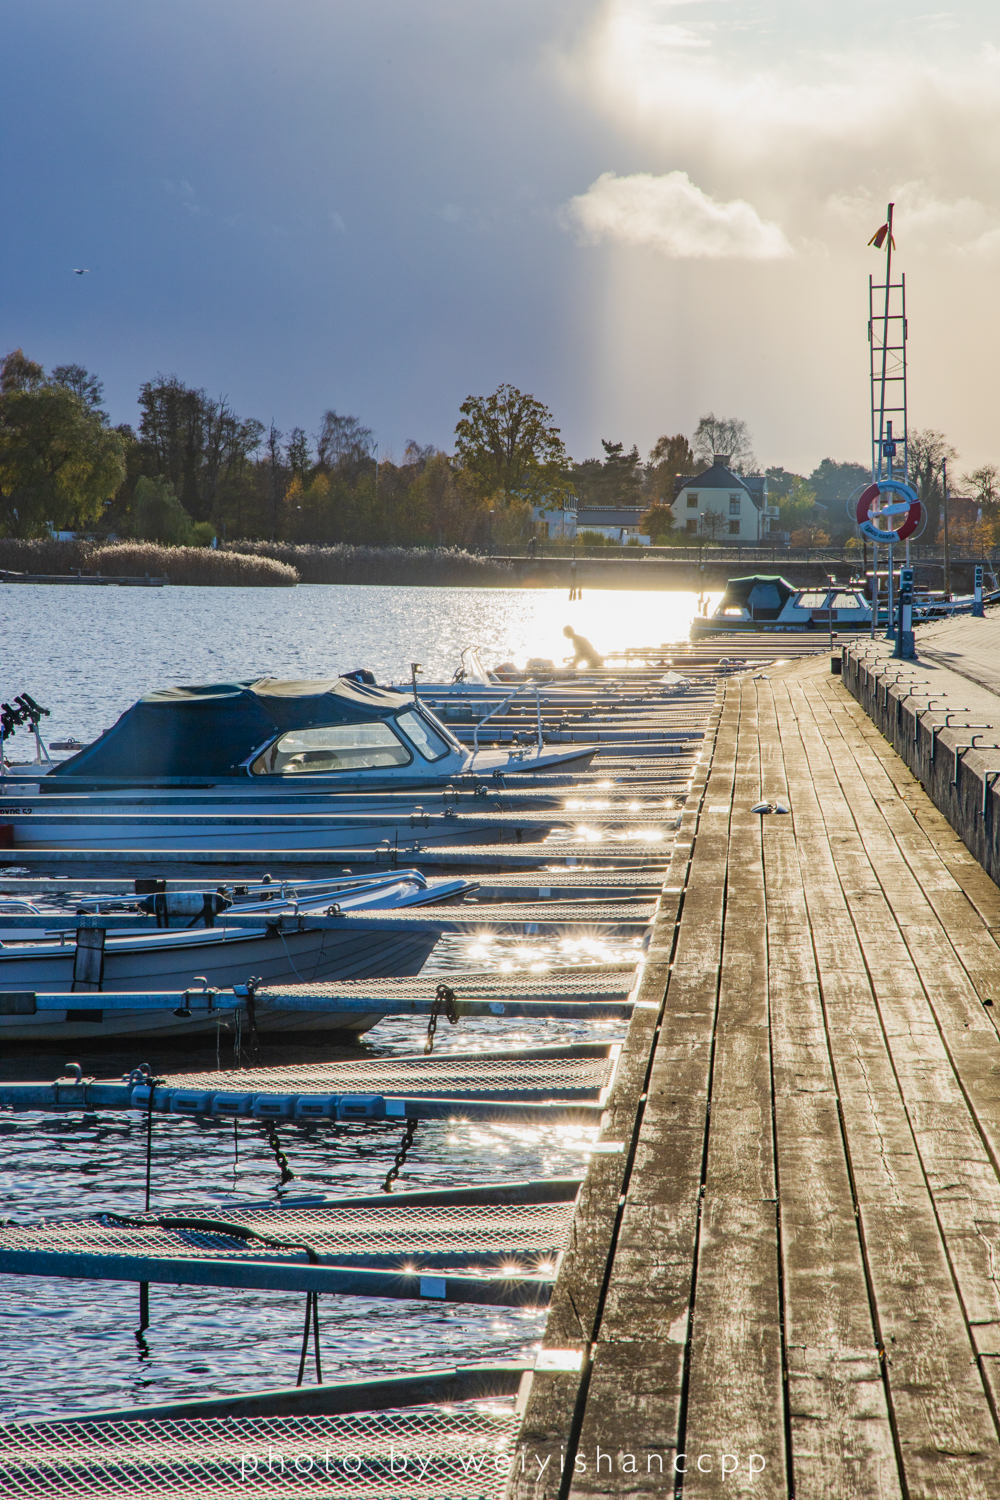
x: 763, y: 594
x: 212, y: 729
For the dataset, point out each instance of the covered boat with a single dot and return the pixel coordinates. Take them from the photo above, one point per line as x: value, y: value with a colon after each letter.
x: 272, y: 732
x: 766, y: 601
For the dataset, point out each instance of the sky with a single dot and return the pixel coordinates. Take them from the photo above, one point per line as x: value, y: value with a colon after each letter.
x: 639, y: 212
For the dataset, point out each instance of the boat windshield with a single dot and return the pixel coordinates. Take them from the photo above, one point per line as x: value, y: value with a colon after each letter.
x: 427, y: 740
x: 339, y: 747
x: 811, y: 601
x: 847, y: 601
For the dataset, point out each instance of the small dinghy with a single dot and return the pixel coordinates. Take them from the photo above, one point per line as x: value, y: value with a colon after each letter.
x: 175, y: 956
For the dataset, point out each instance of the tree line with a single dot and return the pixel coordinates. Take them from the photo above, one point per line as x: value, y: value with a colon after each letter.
x: 193, y: 469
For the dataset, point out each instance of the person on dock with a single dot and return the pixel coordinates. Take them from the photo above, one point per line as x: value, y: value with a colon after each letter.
x: 583, y: 650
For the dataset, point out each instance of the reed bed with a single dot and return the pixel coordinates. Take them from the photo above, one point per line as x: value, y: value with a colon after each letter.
x: 439, y: 567
x: 201, y: 566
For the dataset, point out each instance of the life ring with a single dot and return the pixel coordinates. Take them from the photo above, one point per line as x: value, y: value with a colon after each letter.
x: 909, y: 504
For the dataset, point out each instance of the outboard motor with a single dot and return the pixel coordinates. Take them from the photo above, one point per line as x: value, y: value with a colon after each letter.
x: 195, y: 905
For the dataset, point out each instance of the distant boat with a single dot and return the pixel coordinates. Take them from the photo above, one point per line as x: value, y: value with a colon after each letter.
x: 768, y: 602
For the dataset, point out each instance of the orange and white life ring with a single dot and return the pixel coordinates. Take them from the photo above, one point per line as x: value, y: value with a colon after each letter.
x: 908, y: 506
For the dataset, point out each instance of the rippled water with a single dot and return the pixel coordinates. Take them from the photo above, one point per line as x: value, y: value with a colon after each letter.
x: 87, y: 654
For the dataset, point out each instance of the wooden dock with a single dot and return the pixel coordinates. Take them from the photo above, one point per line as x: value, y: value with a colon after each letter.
x: 785, y: 1285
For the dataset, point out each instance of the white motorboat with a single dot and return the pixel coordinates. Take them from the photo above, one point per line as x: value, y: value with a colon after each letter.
x: 173, y: 958
x: 767, y: 602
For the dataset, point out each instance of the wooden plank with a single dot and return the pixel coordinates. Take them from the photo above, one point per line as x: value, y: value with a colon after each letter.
x: 841, y: 1436
x: 736, y: 1324
x: 557, y: 1399
x: 945, y: 1431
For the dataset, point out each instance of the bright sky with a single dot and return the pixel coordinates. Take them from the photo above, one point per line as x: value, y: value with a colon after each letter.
x: 637, y: 211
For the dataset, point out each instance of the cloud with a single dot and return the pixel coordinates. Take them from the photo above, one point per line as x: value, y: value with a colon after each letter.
x: 789, y: 121
x: 674, y: 216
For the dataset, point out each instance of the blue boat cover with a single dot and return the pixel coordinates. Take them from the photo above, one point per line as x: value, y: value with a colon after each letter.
x: 210, y: 729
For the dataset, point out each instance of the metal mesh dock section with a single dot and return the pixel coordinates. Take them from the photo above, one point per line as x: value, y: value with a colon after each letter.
x: 486, y: 1077
x: 448, y: 1452
x: 389, y: 1236
x: 596, y: 982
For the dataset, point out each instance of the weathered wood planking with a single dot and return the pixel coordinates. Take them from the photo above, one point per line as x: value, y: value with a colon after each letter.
x: 735, y: 1404
x: 944, y: 1426
x: 634, y: 1397
x: 839, y: 1422
x: 555, y: 1404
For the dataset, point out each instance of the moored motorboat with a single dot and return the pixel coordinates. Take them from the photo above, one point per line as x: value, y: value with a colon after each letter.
x: 768, y: 602
x: 172, y: 958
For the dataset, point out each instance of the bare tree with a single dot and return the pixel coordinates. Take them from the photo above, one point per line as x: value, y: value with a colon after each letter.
x: 983, y: 485
x: 343, y: 442
x: 713, y: 524
x: 927, y: 450
x: 724, y: 435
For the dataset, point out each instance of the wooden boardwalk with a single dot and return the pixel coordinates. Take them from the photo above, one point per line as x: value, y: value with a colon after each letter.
x: 789, y: 1288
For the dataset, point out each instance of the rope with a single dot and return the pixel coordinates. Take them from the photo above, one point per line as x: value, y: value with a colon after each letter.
x: 404, y: 1146
x: 212, y: 1226
x: 444, y: 1003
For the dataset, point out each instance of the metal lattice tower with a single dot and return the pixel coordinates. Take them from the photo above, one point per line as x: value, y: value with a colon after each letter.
x: 887, y: 361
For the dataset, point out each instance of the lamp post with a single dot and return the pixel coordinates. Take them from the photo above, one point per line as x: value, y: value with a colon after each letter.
x: 491, y: 533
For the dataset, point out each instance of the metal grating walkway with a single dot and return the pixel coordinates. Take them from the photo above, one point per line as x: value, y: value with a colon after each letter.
x: 575, y: 1073
x: 376, y: 1236
x: 448, y: 1452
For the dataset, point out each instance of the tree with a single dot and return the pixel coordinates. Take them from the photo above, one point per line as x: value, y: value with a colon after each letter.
x: 983, y: 485
x: 509, y: 446
x: 927, y: 450
x: 196, y: 442
x: 297, y: 452
x: 59, y: 461
x: 83, y: 384
x: 658, y: 523
x: 159, y: 515
x: 344, y: 443
x: 669, y: 457
x: 614, y: 481
x: 18, y: 373
x: 713, y: 524
x: 724, y: 435
x: 834, y: 485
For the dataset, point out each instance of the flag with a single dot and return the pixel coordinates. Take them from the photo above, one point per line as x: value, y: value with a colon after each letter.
x: 878, y: 238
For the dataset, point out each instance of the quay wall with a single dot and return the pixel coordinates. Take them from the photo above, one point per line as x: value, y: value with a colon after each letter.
x: 957, y: 766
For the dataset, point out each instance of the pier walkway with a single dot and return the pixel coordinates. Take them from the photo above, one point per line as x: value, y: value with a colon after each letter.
x: 785, y: 1283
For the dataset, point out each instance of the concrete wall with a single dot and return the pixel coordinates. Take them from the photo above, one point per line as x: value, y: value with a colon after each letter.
x: 952, y: 775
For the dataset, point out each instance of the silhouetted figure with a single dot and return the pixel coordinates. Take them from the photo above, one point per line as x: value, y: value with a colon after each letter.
x: 583, y: 650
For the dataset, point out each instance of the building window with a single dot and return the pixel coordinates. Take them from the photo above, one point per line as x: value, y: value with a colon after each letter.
x: 734, y: 528
x: 692, y: 524
x: 692, y: 501
x: 734, y: 505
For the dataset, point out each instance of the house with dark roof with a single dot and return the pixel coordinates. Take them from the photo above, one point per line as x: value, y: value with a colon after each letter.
x: 723, y: 506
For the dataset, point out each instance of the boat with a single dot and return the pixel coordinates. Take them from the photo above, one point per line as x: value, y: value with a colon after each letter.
x: 174, y: 957
x: 271, y: 733
x: 768, y: 602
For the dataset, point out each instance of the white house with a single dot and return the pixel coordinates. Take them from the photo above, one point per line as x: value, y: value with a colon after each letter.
x: 723, y: 506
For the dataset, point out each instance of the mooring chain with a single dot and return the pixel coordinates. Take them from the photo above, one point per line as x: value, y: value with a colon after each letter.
x: 404, y: 1146
x: 444, y: 1004
x: 282, y: 1160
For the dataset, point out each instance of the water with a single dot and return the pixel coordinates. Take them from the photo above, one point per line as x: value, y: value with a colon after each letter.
x: 87, y: 654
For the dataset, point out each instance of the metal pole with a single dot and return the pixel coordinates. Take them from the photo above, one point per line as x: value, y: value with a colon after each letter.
x: 947, y: 549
